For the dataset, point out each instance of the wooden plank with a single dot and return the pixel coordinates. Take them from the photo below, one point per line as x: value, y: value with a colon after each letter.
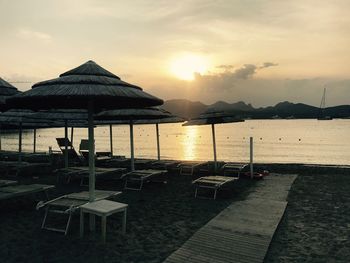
x: 243, y: 231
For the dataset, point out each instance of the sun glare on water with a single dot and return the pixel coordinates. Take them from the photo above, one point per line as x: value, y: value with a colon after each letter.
x: 184, y: 67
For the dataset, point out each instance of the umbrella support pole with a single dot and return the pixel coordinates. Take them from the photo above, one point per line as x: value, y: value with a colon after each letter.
x: 111, y: 138
x: 132, y: 146
x: 214, y: 147
x: 34, y: 140
x: 91, y: 153
x: 251, y: 158
x: 158, y: 147
x: 20, y: 143
x: 0, y: 139
x: 71, y: 135
x: 65, y: 144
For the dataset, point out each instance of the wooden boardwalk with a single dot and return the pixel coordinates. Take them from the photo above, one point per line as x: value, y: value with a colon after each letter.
x: 243, y: 231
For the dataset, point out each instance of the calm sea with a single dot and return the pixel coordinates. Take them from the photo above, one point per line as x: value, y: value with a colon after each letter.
x: 277, y: 141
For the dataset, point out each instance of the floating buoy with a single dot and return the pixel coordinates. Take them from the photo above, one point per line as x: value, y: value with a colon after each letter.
x: 279, y: 138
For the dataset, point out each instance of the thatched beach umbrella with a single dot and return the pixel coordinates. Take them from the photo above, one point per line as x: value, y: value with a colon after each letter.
x: 212, y: 118
x: 90, y: 87
x: 21, y: 119
x: 132, y: 115
x: 6, y: 91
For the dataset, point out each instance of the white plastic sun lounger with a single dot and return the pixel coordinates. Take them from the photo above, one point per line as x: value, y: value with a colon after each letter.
x: 138, y: 177
x: 212, y: 182
x: 68, y: 204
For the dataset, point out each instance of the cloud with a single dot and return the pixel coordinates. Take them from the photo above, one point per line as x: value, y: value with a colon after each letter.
x: 244, y: 72
x: 268, y: 64
x: 225, y: 80
x: 229, y: 77
x: 35, y: 35
x: 226, y: 67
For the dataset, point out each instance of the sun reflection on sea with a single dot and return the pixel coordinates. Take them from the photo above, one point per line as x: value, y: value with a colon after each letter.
x: 189, y: 143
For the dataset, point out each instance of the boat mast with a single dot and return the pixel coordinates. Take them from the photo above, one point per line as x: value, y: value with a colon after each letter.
x: 321, y: 110
x: 323, y: 101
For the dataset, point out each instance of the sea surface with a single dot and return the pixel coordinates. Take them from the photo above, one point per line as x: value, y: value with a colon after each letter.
x: 275, y: 141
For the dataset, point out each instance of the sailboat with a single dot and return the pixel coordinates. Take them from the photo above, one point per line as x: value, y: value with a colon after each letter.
x: 321, y: 111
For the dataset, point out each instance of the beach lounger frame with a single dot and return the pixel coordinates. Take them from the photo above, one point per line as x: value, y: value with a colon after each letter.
x: 68, y: 205
x: 141, y: 176
x: 100, y: 171
x: 4, y: 182
x: 211, y: 182
x: 83, y: 173
x: 164, y: 164
x: 73, y: 156
x: 19, y: 190
x: 191, y: 166
x: 236, y: 168
x: 99, y: 156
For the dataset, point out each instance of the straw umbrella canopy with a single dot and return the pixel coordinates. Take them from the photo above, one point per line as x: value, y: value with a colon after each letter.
x: 130, y: 116
x: 90, y: 87
x: 21, y: 119
x: 6, y: 91
x: 212, y: 118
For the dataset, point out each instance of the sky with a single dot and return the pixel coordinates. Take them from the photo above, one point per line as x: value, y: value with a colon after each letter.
x: 258, y: 51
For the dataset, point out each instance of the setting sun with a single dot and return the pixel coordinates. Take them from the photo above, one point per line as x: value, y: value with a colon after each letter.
x: 184, y: 67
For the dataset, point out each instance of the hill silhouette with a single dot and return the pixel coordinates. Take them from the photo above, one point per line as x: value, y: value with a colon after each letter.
x: 190, y: 109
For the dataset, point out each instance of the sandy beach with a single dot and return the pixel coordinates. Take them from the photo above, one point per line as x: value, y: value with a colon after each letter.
x: 315, y: 227
x: 160, y: 219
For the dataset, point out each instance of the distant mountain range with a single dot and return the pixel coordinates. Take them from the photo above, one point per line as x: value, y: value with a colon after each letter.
x: 284, y: 110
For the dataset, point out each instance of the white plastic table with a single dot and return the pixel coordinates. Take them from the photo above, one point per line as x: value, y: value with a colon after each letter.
x: 102, y: 208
